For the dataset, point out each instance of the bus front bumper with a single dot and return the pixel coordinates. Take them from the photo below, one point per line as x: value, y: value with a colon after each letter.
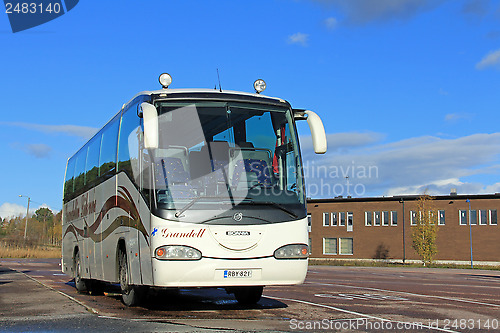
x: 208, y: 272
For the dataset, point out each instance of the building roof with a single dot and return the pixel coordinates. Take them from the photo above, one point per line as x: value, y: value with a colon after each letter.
x: 406, y: 198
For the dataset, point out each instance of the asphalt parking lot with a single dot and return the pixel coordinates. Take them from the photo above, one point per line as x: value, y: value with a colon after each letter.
x: 36, y: 296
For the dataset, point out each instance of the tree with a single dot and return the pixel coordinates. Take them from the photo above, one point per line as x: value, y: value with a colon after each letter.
x: 44, y: 214
x: 424, y: 232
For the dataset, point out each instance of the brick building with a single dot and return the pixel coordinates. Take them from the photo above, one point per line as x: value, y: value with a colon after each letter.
x: 373, y: 228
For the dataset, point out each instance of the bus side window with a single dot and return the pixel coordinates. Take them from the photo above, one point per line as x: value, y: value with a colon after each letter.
x: 92, y: 167
x: 79, y: 182
x: 128, y: 147
x: 109, y: 141
x: 68, y: 183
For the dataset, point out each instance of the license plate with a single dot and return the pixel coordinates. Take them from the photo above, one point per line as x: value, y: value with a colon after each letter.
x: 237, y: 273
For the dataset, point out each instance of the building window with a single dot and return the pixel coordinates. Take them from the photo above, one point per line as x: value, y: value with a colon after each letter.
x: 346, y: 246
x: 310, y: 245
x: 329, y: 245
x: 473, y: 217
x: 368, y: 219
x: 326, y: 219
x: 462, y: 216
x: 441, y: 217
x: 342, y: 218
x: 349, y: 221
x: 394, y: 218
x: 432, y: 217
x: 483, y: 217
x: 493, y: 216
x: 385, y: 218
x: 334, y: 219
x: 309, y: 222
x: 413, y: 217
x: 376, y: 218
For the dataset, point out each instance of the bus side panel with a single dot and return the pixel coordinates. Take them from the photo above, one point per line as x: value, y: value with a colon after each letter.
x: 83, y: 248
x: 69, y: 242
x: 98, y: 272
x: 88, y: 212
x: 113, y: 230
x: 128, y: 203
x: 145, y: 244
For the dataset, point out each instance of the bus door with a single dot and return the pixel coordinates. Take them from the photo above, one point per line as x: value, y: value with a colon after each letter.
x: 144, y: 207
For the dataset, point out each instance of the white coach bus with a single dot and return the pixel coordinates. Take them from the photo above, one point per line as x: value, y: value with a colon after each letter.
x: 190, y: 188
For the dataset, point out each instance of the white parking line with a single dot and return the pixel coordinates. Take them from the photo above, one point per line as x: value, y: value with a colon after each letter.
x: 407, y: 293
x: 360, y: 314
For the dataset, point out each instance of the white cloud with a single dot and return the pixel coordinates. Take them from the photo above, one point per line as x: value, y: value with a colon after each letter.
x: 331, y: 23
x: 451, y: 117
x: 83, y: 132
x: 366, y: 11
x: 298, y: 38
x: 404, y: 167
x: 492, y: 59
x: 475, y: 9
x: 344, y: 141
x: 8, y: 210
x: 11, y: 210
x: 38, y: 150
x: 443, y: 92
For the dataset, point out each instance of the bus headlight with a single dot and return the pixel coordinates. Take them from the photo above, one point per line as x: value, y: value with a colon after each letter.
x: 177, y: 252
x: 292, y: 251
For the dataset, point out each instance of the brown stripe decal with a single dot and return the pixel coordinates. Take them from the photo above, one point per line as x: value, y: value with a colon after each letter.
x: 123, y: 201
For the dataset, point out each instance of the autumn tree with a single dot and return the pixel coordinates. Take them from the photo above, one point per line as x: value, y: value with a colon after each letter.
x: 44, y: 228
x: 424, y: 232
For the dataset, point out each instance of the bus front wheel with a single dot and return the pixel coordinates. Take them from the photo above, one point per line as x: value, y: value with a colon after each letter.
x: 248, y: 295
x: 80, y: 283
x: 131, y: 295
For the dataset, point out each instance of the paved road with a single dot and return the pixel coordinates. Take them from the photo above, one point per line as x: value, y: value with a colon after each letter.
x: 332, y: 299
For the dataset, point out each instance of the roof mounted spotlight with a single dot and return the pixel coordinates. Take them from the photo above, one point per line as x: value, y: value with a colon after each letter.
x: 165, y: 80
x: 259, y: 86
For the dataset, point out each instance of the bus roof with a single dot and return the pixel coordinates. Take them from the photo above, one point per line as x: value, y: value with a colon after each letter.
x: 165, y: 93
x: 198, y: 91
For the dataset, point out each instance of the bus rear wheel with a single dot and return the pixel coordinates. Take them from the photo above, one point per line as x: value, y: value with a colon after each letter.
x: 131, y: 295
x: 248, y: 295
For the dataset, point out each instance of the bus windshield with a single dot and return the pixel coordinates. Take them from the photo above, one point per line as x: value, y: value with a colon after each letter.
x: 225, y: 153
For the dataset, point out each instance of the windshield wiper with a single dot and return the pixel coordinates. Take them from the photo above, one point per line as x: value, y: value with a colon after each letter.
x: 195, y: 200
x: 190, y: 204
x: 262, y: 185
x: 274, y: 204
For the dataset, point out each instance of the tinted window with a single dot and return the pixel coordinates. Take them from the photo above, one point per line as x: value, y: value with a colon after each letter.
x: 92, y: 167
x: 108, y: 148
x: 128, y: 147
x: 68, y: 182
x: 368, y: 218
x: 493, y: 217
x: 79, y: 182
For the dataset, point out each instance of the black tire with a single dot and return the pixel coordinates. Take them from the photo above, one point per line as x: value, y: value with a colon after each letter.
x: 248, y: 295
x: 80, y: 283
x: 131, y: 295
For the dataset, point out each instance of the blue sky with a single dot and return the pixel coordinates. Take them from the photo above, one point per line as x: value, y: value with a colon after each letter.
x: 409, y: 90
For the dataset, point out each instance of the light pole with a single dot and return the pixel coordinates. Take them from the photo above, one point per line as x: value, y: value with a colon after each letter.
x: 404, y: 239
x: 27, y: 213
x: 470, y: 238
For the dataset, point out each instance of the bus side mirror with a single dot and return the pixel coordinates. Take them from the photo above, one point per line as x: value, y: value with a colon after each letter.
x: 317, y: 129
x: 150, y: 116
